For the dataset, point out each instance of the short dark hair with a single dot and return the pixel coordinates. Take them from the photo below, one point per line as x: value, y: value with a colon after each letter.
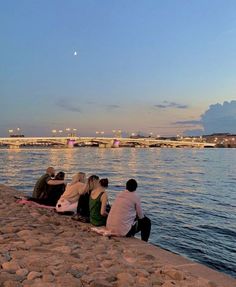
x: 104, y: 182
x: 60, y: 175
x: 93, y: 177
x: 131, y: 185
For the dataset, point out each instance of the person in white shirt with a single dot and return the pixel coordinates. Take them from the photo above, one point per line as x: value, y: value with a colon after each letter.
x: 69, y: 199
x: 125, y: 210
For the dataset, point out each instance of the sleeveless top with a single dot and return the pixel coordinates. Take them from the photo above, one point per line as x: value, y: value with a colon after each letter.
x: 95, y: 211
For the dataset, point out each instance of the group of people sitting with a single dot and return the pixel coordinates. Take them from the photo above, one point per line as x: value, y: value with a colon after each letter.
x: 87, y: 201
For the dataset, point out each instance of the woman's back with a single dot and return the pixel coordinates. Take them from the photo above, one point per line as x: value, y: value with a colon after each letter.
x: 73, y: 191
x: 95, y: 204
x: 54, y: 193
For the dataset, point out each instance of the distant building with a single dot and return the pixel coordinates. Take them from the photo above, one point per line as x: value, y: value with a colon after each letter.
x: 221, y: 139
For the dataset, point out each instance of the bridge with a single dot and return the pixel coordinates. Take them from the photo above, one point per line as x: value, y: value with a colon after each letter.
x: 106, y: 142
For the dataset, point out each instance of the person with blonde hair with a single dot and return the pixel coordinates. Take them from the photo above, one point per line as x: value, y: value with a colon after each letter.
x: 69, y: 199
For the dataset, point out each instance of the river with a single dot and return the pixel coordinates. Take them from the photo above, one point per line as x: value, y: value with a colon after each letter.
x: 189, y: 194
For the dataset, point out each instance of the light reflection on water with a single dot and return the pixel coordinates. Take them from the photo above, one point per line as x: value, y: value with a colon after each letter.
x: 188, y: 193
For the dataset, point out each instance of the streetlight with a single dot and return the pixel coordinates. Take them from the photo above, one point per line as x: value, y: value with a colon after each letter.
x: 60, y: 132
x: 117, y: 133
x: 71, y: 132
x: 74, y: 132
x: 68, y: 130
x: 10, y: 132
x: 54, y: 132
x: 100, y: 133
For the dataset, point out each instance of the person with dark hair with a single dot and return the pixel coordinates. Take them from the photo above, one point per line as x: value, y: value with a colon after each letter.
x: 98, y: 203
x: 43, y: 183
x: 53, y: 192
x: 126, y: 217
x: 83, y: 213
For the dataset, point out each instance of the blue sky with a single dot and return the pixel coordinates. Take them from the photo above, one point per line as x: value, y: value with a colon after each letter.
x: 153, y: 66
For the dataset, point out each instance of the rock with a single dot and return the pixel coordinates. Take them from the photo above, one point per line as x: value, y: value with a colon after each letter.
x: 24, y: 233
x: 142, y: 272
x: 11, y: 266
x: 62, y: 249
x: 46, y: 240
x: 87, y: 279
x: 80, y: 267
x: 54, y: 270
x: 107, y: 263
x: 170, y: 283
x: 125, y: 277
x: 32, y: 243
x: 22, y: 272
x: 143, y: 281
x: 212, y: 284
x: 100, y: 283
x: 37, y: 283
x: 33, y: 274
x: 7, y: 256
x: 48, y: 278
x: 68, y: 280
x: 6, y: 276
x: 75, y: 272
x: 156, y: 280
x: 10, y: 283
x: 174, y: 274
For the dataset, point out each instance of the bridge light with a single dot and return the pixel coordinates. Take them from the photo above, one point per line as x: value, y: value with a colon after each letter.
x: 54, y: 132
x: 117, y: 133
x: 100, y: 132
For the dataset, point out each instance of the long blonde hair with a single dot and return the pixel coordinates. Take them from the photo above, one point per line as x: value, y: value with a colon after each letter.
x: 78, y: 177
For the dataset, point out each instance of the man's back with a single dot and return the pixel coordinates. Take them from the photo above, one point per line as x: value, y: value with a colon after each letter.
x: 40, y: 189
x: 123, y: 213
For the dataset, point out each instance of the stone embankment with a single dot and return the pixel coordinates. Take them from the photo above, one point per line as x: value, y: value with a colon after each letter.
x: 40, y: 248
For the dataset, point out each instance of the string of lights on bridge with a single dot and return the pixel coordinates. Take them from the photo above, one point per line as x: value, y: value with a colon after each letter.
x: 73, y: 132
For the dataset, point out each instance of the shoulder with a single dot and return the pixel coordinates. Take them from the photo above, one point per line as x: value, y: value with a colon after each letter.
x: 46, y: 177
x: 134, y: 196
x: 103, y: 195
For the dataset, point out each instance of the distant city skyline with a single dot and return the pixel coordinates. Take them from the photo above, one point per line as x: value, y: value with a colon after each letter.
x: 161, y: 67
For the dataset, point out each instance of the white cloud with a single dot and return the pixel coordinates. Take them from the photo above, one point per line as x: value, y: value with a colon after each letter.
x: 220, y: 118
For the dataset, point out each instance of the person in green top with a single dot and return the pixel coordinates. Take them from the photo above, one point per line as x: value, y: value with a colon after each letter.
x: 98, y: 202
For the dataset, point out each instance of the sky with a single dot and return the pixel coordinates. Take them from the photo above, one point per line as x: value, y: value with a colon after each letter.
x: 153, y: 66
